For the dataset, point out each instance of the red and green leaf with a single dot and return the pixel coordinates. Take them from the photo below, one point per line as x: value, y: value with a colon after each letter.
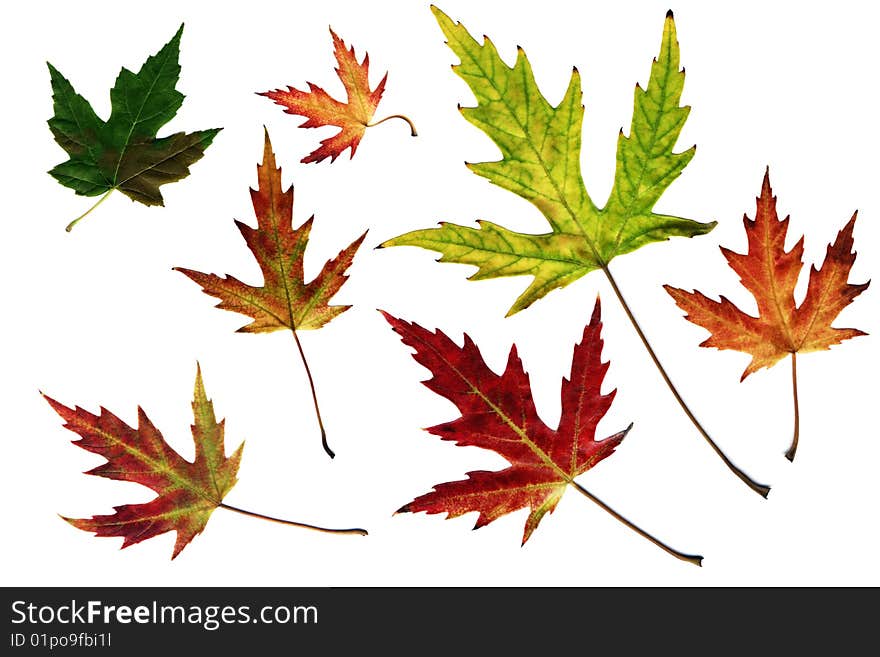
x: 187, y: 492
x: 124, y: 152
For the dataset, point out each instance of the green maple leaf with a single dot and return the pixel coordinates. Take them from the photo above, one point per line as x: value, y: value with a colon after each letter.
x: 541, y: 150
x: 124, y: 152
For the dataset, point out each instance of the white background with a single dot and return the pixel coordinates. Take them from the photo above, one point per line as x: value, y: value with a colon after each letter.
x: 98, y: 317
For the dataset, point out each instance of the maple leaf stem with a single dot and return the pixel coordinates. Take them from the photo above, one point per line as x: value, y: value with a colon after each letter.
x: 353, y: 530
x: 761, y: 489
x: 690, y: 558
x: 412, y: 127
x: 797, y: 420
x: 73, y: 223
x: 305, y: 363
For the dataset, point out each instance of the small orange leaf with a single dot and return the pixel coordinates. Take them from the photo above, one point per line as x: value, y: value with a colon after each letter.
x: 770, y: 273
x: 321, y: 109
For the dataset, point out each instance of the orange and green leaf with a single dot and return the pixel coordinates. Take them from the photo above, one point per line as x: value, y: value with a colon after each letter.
x: 285, y: 300
x: 188, y: 492
x: 770, y: 274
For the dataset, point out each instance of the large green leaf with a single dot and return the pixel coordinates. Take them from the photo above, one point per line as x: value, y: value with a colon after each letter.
x: 124, y: 152
x: 541, y: 150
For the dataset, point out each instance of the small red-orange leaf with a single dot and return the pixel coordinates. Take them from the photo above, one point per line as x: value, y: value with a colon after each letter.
x: 770, y: 274
x: 321, y: 109
x: 498, y: 413
x: 188, y: 492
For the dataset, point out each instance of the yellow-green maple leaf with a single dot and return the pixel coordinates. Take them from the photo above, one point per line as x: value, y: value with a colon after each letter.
x: 541, y: 150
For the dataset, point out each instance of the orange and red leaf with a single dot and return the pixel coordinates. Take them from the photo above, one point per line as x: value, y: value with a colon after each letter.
x: 321, y: 109
x: 770, y: 274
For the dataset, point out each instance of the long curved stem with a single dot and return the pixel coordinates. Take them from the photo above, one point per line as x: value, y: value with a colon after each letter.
x: 73, y: 223
x: 355, y: 530
x: 761, y: 489
x: 690, y: 558
x: 412, y: 127
x: 305, y: 363
x: 797, y: 420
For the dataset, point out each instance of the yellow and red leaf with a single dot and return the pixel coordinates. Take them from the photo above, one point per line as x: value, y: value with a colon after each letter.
x: 321, y: 109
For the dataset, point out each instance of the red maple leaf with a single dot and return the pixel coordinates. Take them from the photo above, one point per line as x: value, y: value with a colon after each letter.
x: 498, y: 413
x: 188, y: 492
x: 770, y: 274
x: 321, y: 109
